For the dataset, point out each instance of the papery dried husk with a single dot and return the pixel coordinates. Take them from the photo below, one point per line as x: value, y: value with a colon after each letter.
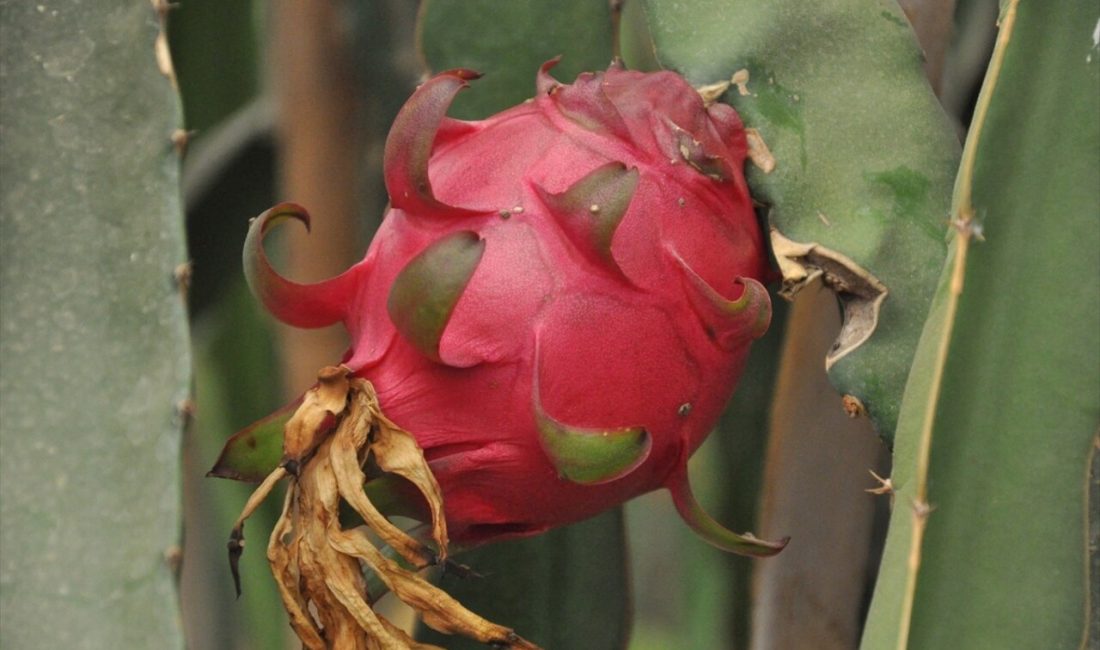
x: 317, y: 564
x: 315, y: 417
x: 344, y: 457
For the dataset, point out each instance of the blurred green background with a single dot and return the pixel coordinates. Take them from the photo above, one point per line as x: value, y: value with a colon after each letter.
x: 291, y: 101
x: 949, y: 147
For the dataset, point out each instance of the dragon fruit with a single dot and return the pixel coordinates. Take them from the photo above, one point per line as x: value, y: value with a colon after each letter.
x: 560, y: 299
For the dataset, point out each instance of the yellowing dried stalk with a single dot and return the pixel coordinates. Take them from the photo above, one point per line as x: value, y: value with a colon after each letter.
x: 318, y: 565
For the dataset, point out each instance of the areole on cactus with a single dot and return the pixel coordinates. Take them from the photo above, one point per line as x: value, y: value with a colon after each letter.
x: 559, y: 301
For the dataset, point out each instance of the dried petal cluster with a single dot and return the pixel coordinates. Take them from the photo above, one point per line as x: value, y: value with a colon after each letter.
x: 317, y: 562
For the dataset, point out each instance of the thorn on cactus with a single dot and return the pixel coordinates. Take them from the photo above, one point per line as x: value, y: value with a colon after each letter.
x: 183, y: 274
x: 185, y: 412
x: 853, y: 406
x: 921, y: 509
x: 885, y: 485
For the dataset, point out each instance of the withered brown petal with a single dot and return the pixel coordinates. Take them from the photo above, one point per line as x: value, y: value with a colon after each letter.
x: 322, y: 567
x: 345, y: 592
x: 318, y: 566
x: 348, y: 439
x: 283, y: 557
x: 395, y: 450
x: 413, y: 645
x: 316, y: 416
x: 440, y: 611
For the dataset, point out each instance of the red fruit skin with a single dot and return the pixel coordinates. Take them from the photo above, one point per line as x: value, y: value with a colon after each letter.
x: 644, y: 321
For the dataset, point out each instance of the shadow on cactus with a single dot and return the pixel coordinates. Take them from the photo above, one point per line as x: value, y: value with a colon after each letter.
x: 556, y: 309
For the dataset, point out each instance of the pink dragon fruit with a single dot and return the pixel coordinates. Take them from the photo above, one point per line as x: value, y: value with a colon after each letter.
x: 560, y: 299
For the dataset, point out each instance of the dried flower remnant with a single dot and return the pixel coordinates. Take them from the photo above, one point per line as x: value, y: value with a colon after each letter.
x: 318, y: 563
